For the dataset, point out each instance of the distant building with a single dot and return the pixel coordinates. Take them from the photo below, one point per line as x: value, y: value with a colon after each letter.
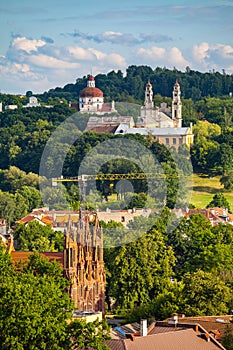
x: 91, y: 99
x: 33, y: 102
x: 108, y: 124
x: 12, y: 107
x: 0, y: 107
x: 122, y: 216
x: 214, y: 215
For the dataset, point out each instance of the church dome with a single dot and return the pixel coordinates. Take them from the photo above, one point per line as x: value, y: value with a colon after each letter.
x: 91, y: 92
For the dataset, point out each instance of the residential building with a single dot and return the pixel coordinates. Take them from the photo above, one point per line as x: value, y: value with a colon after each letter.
x: 163, y: 335
x: 123, y: 216
x: 11, y: 107
x: 214, y: 215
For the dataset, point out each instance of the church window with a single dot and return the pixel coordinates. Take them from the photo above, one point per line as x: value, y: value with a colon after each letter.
x: 167, y: 141
x: 122, y: 219
x: 174, y: 141
x: 180, y: 141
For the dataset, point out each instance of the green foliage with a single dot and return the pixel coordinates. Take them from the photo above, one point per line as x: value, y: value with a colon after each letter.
x: 219, y: 201
x: 161, y: 307
x: 205, y: 294
x: 227, y: 339
x: 38, y: 237
x: 139, y: 270
x: 192, y: 242
x: 227, y: 180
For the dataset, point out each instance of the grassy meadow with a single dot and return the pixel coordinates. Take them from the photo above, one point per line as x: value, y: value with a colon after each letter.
x: 204, y: 188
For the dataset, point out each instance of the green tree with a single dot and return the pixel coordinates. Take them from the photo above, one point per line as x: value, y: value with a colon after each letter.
x: 192, y: 242
x: 205, y: 294
x: 227, y: 180
x: 139, y: 271
x: 220, y: 201
x: 37, y: 237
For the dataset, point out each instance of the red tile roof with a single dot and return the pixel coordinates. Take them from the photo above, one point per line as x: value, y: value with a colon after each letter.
x: 91, y: 92
x: 18, y: 256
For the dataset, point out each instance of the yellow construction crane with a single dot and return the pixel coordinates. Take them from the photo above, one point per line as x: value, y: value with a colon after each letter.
x: 111, y: 177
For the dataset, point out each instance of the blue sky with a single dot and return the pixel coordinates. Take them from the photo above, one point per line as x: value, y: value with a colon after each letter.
x: 49, y: 43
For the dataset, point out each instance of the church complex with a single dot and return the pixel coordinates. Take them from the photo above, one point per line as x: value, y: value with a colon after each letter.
x: 164, y: 123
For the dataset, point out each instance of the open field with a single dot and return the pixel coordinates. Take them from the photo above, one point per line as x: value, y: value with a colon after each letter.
x: 204, y: 189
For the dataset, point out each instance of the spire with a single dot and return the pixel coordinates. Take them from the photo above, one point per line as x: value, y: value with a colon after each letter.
x: 177, y: 105
x: 90, y: 81
x: 149, y: 96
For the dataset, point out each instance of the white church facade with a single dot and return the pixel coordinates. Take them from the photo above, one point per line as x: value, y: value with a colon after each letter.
x: 163, y: 116
x: 163, y: 123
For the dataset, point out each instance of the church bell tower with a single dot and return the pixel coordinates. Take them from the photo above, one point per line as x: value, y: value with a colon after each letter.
x: 177, y: 106
x: 149, y: 104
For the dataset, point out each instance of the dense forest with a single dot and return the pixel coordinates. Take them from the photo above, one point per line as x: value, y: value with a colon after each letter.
x: 131, y: 87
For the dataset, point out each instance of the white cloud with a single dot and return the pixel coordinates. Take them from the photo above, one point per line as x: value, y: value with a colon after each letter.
x: 119, y: 38
x: 27, y: 45
x: 163, y: 57
x: 218, y: 56
x: 200, y: 52
x: 29, y: 61
x: 51, y: 62
x: 80, y: 54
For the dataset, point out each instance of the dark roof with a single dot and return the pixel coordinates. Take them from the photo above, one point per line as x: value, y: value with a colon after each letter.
x: 211, y: 323
x: 108, y: 129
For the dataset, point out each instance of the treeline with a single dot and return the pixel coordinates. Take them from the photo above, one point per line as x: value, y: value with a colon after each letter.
x: 131, y: 87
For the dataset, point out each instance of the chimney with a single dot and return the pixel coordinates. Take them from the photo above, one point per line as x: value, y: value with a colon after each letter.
x: 207, y: 336
x: 173, y: 320
x: 143, y: 328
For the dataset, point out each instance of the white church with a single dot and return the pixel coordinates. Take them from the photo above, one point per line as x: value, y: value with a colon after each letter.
x: 91, y: 99
x: 163, y: 123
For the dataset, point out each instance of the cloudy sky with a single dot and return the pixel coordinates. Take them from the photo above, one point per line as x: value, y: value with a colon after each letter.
x: 49, y: 43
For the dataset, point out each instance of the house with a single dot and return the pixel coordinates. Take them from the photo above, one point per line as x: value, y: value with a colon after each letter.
x: 164, y: 335
x: 122, y: 216
x: 11, y: 107
x: 108, y: 124
x: 215, y: 325
x: 214, y: 215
